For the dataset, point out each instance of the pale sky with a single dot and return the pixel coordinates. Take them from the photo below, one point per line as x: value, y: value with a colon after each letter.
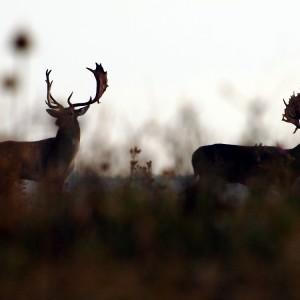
x: 217, y: 55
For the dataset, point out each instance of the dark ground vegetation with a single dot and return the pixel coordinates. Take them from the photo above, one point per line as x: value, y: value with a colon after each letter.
x: 142, y: 239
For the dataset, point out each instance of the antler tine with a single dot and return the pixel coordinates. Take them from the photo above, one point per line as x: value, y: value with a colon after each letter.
x: 101, y: 79
x: 51, y: 102
x: 69, y: 99
x: 292, y: 111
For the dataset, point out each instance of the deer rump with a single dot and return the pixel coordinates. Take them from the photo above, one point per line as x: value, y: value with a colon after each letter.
x: 234, y: 163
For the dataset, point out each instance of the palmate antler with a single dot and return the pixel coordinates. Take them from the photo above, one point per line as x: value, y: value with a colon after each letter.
x: 101, y: 79
x: 292, y: 111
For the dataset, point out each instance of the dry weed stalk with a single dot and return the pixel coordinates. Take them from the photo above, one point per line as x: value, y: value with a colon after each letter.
x: 137, y: 171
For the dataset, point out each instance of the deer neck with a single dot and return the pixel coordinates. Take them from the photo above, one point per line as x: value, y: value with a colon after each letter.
x: 68, y: 139
x: 69, y: 133
x: 295, y: 152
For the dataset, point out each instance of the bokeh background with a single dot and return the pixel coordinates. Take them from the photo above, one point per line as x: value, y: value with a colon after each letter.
x: 181, y: 74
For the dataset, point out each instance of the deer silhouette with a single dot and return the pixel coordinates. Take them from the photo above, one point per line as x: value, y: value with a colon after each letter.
x: 235, y: 163
x: 51, y: 160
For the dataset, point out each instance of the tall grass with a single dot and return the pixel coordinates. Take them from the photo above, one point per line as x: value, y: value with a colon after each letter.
x: 137, y: 240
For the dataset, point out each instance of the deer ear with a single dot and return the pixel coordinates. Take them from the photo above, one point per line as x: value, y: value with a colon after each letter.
x: 82, y: 111
x: 53, y: 113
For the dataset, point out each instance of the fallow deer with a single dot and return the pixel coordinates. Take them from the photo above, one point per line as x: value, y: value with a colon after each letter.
x: 51, y: 160
x: 235, y: 163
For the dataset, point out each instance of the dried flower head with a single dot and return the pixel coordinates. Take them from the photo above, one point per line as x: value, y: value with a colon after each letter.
x: 22, y: 42
x: 10, y: 83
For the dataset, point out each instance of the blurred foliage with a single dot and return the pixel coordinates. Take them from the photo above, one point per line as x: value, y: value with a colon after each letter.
x: 10, y: 83
x: 22, y: 42
x: 134, y: 239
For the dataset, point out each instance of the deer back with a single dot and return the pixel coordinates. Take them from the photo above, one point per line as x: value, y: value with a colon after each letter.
x: 235, y: 163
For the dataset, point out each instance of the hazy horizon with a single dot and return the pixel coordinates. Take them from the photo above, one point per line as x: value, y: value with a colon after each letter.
x: 231, y: 63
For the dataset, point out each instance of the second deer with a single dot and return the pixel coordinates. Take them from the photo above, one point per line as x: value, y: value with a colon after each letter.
x: 235, y: 163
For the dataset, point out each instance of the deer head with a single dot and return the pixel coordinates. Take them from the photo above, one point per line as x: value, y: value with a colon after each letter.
x: 67, y: 115
x: 292, y: 111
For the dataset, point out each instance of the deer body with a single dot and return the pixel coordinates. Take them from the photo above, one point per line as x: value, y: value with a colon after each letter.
x: 50, y: 160
x: 234, y: 163
x: 240, y: 163
x: 19, y: 155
